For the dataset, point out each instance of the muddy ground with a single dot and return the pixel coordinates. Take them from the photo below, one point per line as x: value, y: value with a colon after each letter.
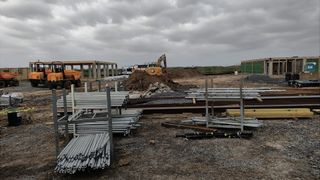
x: 281, y: 149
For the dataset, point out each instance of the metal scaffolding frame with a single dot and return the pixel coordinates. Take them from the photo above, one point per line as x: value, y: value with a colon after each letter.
x: 64, y: 121
x: 211, y: 95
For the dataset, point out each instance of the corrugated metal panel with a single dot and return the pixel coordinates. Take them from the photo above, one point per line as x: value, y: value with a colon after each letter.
x: 256, y: 67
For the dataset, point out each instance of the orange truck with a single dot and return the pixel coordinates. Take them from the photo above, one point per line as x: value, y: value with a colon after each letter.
x: 59, y: 76
x: 8, y: 79
x: 38, y: 74
x: 53, y: 74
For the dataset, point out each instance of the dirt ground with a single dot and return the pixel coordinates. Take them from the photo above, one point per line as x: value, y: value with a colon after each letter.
x: 281, y: 149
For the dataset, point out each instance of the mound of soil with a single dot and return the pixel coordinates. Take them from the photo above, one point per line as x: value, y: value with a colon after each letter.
x: 141, y: 81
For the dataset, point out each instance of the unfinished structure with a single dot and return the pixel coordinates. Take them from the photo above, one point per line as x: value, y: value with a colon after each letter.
x: 282, y: 65
x: 90, y: 70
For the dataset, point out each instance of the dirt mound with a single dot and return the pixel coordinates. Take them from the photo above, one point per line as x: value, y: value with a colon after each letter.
x: 141, y: 81
x: 178, y: 73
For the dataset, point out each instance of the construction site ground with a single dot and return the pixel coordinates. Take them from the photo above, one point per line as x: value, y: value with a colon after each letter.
x: 281, y: 149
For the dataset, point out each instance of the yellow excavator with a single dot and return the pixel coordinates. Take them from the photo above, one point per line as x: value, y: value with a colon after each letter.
x: 59, y: 76
x: 157, y: 68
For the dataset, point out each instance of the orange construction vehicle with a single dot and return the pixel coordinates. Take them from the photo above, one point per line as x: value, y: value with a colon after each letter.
x: 8, y: 79
x: 38, y: 74
x: 157, y: 68
x: 59, y: 76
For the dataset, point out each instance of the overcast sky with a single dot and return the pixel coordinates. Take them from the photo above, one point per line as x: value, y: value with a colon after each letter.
x: 206, y: 32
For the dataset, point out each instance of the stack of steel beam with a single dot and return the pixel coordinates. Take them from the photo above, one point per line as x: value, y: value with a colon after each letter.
x: 84, y: 152
x: 94, y: 100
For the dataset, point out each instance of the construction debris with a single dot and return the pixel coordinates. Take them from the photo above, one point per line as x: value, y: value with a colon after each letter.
x: 156, y: 88
x: 84, y: 152
x: 11, y: 99
x: 116, y: 78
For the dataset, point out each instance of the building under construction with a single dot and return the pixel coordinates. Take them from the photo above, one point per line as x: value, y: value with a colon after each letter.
x: 282, y: 65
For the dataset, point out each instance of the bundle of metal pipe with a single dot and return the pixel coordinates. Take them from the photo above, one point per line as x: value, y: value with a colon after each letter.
x: 228, y: 93
x: 225, y: 122
x: 84, y: 152
x: 94, y: 100
x: 119, y: 125
x: 257, y: 89
x: 123, y: 123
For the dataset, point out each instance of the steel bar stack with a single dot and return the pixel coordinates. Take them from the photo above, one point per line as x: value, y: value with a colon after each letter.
x: 83, y: 152
x: 227, y: 93
x: 225, y: 122
x: 121, y: 124
x: 94, y: 100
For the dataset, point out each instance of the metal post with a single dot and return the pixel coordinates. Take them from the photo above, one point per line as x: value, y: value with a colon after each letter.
x: 99, y: 85
x: 241, y: 104
x: 55, y: 118
x: 206, y: 95
x: 65, y: 110
x: 116, y: 86
x: 72, y: 98
x: 212, y: 109
x: 10, y: 101
x: 86, y: 87
x: 110, y: 123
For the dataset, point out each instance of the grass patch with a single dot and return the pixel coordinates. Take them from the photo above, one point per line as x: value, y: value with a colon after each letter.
x: 210, y: 70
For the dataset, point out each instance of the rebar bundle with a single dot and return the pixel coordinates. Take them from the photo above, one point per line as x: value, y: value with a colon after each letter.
x: 84, y: 152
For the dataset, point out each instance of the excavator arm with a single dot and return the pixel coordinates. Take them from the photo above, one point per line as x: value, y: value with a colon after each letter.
x: 162, y: 59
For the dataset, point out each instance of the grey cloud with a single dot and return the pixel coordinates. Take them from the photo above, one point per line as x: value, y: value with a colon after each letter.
x: 25, y: 9
x: 134, y: 31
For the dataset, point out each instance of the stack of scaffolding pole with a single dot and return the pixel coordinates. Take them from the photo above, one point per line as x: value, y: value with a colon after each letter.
x: 84, y: 152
